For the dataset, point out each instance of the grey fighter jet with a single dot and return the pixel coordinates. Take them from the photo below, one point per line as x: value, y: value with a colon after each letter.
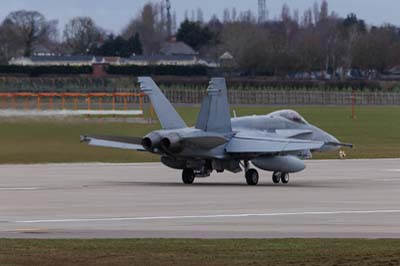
x: 277, y: 142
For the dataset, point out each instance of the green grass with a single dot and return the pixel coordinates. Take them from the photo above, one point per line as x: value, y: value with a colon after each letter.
x: 375, y: 132
x: 200, y: 252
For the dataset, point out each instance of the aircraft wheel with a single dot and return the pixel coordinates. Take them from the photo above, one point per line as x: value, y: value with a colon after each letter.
x: 276, y: 177
x: 252, y: 177
x: 285, y: 178
x: 188, y: 176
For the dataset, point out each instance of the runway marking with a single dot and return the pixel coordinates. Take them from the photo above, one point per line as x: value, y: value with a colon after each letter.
x: 210, y: 216
x: 393, y: 170
x: 17, y: 188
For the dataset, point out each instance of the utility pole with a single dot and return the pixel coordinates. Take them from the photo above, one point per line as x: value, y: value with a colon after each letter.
x: 169, y: 18
x: 262, y: 11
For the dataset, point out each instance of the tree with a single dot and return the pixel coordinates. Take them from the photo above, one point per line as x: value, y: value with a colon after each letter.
x: 30, y: 29
x: 351, y: 21
x: 10, y: 45
x: 148, y: 24
x: 81, y: 34
x: 118, y: 46
x: 193, y: 34
x: 248, y: 43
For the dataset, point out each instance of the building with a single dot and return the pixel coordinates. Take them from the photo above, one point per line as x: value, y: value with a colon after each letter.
x: 172, y: 48
x: 56, y: 60
x: 171, y: 53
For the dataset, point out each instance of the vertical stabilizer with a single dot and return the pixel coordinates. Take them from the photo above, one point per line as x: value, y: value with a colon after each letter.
x: 215, y: 113
x: 166, y: 113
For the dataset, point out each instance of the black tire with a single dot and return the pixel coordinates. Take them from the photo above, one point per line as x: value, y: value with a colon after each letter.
x: 188, y: 176
x: 276, y: 177
x: 285, y: 178
x: 252, y: 177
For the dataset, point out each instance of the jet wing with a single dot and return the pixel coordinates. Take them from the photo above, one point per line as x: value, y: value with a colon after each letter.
x: 268, y: 145
x: 126, y: 143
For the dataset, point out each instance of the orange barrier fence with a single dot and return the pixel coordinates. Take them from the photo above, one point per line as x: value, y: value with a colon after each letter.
x: 65, y: 96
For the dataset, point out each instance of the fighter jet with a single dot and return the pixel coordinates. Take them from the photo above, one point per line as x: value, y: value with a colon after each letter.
x: 277, y: 142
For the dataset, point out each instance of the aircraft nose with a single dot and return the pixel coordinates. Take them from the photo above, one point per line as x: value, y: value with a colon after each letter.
x: 327, y: 138
x: 330, y: 139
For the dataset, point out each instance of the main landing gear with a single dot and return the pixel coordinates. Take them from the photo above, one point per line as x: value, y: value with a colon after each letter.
x: 252, y: 176
x: 277, y: 177
x: 188, y: 176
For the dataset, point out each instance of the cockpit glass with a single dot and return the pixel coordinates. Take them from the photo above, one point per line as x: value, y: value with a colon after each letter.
x: 291, y: 115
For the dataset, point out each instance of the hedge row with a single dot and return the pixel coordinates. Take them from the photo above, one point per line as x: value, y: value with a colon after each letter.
x: 135, y: 70
x: 35, y: 71
x: 132, y: 70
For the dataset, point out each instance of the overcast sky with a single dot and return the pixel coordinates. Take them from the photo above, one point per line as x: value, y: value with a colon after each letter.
x: 113, y: 15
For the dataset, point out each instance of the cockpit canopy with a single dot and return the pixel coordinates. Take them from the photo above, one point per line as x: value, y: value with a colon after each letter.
x: 290, y: 115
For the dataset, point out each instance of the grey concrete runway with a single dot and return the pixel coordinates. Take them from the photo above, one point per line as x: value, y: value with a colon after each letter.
x: 359, y: 198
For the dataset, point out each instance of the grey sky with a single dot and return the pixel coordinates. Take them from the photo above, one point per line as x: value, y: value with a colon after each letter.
x: 113, y: 15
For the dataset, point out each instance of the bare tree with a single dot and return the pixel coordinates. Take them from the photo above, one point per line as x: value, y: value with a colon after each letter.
x: 150, y: 28
x: 30, y: 28
x: 234, y: 14
x: 10, y: 45
x: 307, y: 20
x: 285, y: 13
x: 200, y: 15
x: 174, y: 23
x: 226, y: 16
x: 324, y: 12
x: 81, y: 34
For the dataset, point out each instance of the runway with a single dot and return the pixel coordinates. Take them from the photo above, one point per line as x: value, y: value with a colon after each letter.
x: 343, y: 199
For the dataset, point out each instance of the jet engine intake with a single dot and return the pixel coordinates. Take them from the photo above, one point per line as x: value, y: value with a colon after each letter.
x: 285, y: 164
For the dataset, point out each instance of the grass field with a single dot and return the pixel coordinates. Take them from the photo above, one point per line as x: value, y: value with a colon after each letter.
x: 200, y: 252
x: 375, y: 132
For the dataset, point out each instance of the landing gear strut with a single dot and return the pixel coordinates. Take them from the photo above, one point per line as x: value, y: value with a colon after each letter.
x: 279, y: 176
x: 252, y: 176
x: 188, y: 176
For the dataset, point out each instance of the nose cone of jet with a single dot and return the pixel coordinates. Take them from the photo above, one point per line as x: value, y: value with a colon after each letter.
x: 328, y: 139
x: 329, y: 146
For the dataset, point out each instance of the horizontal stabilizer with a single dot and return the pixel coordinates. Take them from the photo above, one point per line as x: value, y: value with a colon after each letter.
x: 126, y: 143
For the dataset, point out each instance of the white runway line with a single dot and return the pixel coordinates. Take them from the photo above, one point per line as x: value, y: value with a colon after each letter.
x: 213, y: 216
x: 17, y: 188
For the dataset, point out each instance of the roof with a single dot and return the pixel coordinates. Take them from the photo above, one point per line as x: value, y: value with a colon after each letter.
x: 161, y: 58
x: 177, y: 48
x: 63, y: 58
x: 226, y: 56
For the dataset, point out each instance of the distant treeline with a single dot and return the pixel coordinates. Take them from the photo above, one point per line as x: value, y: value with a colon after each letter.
x: 293, y: 43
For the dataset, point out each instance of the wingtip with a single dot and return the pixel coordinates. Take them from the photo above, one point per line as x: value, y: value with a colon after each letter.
x: 146, y: 83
